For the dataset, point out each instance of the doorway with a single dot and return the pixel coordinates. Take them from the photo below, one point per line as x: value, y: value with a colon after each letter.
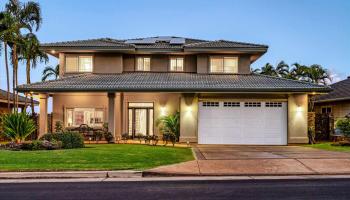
x: 140, y: 119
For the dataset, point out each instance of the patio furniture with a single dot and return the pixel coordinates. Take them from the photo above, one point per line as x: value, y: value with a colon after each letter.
x: 337, y: 135
x: 86, y: 131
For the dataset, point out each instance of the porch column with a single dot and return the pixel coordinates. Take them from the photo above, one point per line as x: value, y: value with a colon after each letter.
x: 297, y: 118
x: 111, y: 113
x: 43, y: 114
x: 119, y: 115
x: 188, y: 118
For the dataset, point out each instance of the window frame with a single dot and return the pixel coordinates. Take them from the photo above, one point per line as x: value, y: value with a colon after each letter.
x: 223, y: 64
x: 183, y: 63
x: 327, y: 108
x: 95, y: 110
x: 78, y: 63
x: 143, y: 61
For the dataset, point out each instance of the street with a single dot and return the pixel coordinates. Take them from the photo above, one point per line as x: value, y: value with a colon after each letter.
x: 214, y: 189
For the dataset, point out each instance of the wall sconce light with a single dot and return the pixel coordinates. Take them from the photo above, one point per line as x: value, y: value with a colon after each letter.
x: 299, y: 109
x: 163, y: 111
x: 53, y: 51
x: 189, y: 109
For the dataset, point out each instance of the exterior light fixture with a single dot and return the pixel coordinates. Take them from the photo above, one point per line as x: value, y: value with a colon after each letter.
x: 53, y: 51
x: 299, y: 109
x: 163, y: 111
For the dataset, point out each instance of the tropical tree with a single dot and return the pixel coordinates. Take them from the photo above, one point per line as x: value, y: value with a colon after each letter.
x: 318, y: 75
x: 298, y: 72
x: 282, y: 69
x: 5, y: 35
x: 17, y: 126
x: 50, y: 71
x: 269, y: 70
x: 24, y: 16
x: 31, y: 54
x: 170, y: 124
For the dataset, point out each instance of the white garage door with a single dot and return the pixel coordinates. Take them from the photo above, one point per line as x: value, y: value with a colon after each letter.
x: 255, y: 122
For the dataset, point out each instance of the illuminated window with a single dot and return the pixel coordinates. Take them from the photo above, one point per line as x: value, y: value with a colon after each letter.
x: 79, y: 63
x: 90, y: 116
x: 143, y: 64
x: 177, y: 64
x: 223, y: 64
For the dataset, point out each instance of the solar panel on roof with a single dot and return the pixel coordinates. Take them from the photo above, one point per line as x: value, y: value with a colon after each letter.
x: 177, y: 41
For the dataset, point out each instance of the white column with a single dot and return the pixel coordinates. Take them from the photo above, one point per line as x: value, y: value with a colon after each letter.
x: 42, y: 114
x: 111, y: 114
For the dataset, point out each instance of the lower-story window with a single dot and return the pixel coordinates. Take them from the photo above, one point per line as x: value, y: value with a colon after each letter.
x: 90, y: 116
x: 140, y: 119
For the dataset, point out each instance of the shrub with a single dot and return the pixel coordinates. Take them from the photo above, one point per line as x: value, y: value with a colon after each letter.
x: 69, y: 139
x: 169, y: 137
x: 17, y: 126
x: 170, y: 124
x: 108, y: 136
x: 58, y: 126
x: 33, y: 145
x: 344, y: 126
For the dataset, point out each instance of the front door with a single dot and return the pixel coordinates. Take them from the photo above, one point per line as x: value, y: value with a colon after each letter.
x: 140, y: 119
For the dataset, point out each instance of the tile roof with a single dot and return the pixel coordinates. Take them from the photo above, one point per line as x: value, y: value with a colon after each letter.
x: 160, y: 42
x: 172, y: 82
x: 21, y: 99
x: 341, y: 91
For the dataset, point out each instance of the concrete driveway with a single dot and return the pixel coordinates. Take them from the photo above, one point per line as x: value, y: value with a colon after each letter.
x: 228, y: 160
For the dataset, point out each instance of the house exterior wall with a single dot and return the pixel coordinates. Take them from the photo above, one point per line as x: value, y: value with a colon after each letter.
x: 118, y: 63
x: 339, y: 108
x: 297, y: 118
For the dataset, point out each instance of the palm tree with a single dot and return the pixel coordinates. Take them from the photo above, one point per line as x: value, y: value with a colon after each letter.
x: 170, y: 125
x: 282, y: 69
x: 269, y: 70
x: 298, y: 72
x: 31, y: 54
x: 318, y: 75
x: 51, y: 71
x: 25, y: 16
x: 5, y: 34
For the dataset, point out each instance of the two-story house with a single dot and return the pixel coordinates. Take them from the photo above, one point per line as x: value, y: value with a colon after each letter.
x: 132, y: 83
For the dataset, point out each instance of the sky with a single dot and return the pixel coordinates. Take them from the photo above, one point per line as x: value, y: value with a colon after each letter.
x: 303, y: 31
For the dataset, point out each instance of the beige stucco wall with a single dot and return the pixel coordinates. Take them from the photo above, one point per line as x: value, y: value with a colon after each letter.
x: 117, y: 63
x: 189, y: 118
x: 297, y: 118
x: 108, y: 63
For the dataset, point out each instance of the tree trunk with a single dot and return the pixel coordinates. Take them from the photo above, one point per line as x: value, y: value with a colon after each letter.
x: 28, y: 82
x: 15, y: 81
x: 7, y: 78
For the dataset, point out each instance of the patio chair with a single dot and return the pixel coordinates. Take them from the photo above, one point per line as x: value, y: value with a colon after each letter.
x: 85, y: 130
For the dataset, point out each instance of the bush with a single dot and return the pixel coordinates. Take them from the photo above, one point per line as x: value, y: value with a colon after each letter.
x: 58, y: 126
x: 169, y: 137
x: 170, y: 124
x: 344, y: 126
x: 17, y: 126
x: 33, y: 145
x: 69, y: 140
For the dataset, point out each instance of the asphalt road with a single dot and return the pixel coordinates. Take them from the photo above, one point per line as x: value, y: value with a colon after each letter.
x: 242, y: 189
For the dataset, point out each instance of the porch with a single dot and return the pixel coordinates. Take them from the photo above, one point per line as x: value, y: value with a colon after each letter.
x: 131, y: 113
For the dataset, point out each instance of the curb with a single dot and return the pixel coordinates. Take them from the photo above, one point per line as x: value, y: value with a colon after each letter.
x: 71, y: 174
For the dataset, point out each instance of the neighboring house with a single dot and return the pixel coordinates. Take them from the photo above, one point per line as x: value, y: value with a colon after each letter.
x: 3, y: 101
x: 337, y: 102
x: 132, y: 83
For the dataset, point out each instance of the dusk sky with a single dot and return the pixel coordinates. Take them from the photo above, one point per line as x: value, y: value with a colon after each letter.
x: 304, y: 31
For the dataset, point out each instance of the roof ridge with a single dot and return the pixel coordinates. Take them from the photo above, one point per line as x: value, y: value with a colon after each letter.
x: 244, y: 43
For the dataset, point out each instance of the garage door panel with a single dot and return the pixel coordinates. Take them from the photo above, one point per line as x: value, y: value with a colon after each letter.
x: 262, y: 125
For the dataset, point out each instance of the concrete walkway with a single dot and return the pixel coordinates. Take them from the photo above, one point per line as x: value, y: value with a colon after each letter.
x: 217, y: 160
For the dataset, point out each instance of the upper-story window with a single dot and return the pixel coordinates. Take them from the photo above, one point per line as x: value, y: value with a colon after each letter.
x: 143, y: 64
x: 79, y: 63
x: 177, y: 64
x: 223, y: 64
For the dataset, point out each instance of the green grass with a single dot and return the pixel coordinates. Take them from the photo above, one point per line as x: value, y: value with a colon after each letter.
x: 94, y: 157
x: 328, y: 146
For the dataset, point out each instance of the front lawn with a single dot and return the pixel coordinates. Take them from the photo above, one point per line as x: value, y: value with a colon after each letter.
x: 94, y: 157
x: 328, y: 146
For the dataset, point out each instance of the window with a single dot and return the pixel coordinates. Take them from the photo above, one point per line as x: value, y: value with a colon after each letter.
x: 273, y: 104
x: 232, y: 104
x: 326, y: 109
x: 79, y: 64
x: 143, y: 64
x: 252, y: 104
x: 210, y: 104
x: 90, y: 116
x: 223, y: 64
x: 177, y: 64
